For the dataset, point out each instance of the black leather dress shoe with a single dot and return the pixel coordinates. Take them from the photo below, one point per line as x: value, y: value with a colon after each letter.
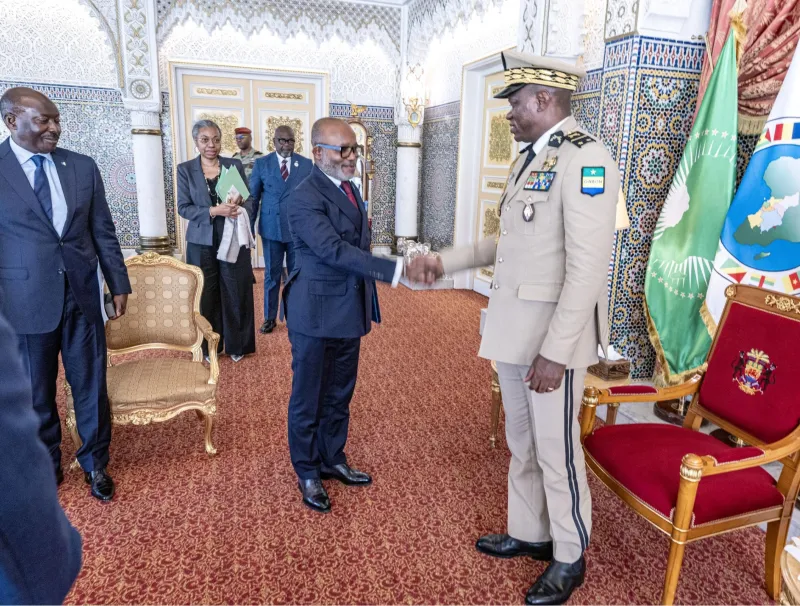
x: 505, y: 546
x: 267, y: 327
x: 556, y: 583
x: 101, y: 482
x: 59, y: 475
x: 314, y: 495
x: 345, y: 474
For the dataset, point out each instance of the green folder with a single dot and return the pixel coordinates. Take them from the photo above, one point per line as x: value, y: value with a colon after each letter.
x: 231, y: 179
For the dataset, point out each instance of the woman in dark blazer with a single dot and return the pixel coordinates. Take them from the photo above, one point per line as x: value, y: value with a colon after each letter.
x: 227, y: 299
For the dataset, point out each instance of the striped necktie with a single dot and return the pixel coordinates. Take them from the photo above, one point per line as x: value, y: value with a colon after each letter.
x: 284, y: 170
x: 41, y: 186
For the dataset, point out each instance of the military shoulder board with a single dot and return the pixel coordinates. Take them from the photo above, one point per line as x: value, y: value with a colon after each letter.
x: 578, y: 138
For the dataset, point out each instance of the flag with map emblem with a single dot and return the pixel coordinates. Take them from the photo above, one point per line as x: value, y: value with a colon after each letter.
x: 760, y: 241
x: 688, y: 229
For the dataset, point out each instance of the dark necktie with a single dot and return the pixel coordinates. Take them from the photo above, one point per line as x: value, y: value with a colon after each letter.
x: 284, y: 170
x: 348, y: 191
x: 41, y: 186
x: 528, y: 160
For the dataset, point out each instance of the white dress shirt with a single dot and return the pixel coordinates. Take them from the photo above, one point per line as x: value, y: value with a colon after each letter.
x: 398, y: 270
x: 57, y: 197
x: 288, y: 163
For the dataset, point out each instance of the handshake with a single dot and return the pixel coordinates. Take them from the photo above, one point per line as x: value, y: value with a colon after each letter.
x: 424, y: 269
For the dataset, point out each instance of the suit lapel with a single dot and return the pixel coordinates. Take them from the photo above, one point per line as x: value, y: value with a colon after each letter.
x: 66, y: 174
x: 200, y: 179
x: 337, y: 196
x: 11, y: 169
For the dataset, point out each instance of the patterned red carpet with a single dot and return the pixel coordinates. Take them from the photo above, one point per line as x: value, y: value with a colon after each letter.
x: 185, y: 528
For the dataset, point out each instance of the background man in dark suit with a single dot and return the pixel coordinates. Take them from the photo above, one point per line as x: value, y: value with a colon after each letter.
x: 40, y: 551
x: 330, y: 302
x: 273, y: 179
x: 55, y: 226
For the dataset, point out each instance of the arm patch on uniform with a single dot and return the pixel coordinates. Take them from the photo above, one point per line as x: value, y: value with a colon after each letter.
x: 578, y: 139
x: 593, y: 180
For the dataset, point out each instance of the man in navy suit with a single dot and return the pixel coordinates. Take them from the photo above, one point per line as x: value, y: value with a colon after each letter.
x: 273, y: 179
x: 330, y: 302
x: 55, y: 228
x: 40, y: 551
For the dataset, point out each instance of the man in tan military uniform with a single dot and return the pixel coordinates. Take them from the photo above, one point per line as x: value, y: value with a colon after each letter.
x: 246, y: 153
x: 547, y: 313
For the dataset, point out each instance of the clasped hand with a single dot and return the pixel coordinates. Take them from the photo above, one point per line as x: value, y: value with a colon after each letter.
x: 230, y: 208
x: 425, y: 269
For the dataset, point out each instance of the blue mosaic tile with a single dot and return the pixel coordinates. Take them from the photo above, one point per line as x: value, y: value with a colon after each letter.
x: 646, y: 109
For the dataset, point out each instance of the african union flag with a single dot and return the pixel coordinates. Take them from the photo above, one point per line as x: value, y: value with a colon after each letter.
x: 760, y: 241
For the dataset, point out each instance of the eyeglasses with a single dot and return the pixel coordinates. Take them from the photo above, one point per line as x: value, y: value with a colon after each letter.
x: 358, y: 150
x: 286, y: 141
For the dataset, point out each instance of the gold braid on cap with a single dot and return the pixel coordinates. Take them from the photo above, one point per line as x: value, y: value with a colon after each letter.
x: 537, y: 75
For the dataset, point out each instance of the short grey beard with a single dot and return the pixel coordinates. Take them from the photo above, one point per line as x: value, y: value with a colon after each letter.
x: 332, y: 170
x: 282, y: 155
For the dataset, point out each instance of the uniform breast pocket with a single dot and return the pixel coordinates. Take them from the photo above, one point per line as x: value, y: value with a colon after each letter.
x: 530, y: 212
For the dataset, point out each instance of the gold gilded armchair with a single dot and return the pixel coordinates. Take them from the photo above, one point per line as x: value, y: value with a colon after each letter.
x: 163, y: 314
x: 690, y: 485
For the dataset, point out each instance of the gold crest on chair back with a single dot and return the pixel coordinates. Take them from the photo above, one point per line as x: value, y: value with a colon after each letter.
x: 163, y: 314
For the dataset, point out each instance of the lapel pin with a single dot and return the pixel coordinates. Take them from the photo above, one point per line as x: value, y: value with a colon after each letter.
x: 63, y: 163
x: 296, y: 164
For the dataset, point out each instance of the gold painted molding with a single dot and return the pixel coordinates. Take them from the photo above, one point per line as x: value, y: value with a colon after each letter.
x: 404, y: 144
x: 146, y: 131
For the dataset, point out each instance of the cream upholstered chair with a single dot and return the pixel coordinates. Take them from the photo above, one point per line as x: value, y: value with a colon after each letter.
x: 163, y: 314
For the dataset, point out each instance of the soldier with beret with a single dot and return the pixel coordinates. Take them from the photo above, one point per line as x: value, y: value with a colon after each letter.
x: 547, y: 313
x: 246, y: 154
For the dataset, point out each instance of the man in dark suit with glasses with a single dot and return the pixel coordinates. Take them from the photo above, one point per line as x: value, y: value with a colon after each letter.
x: 273, y: 178
x: 330, y: 302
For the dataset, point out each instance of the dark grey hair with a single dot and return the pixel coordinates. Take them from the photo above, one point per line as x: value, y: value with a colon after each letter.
x: 204, y: 124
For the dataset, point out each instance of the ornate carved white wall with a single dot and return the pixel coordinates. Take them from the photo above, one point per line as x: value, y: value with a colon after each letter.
x: 321, y: 20
x: 361, y: 73
x: 444, y: 53
x: 73, y: 49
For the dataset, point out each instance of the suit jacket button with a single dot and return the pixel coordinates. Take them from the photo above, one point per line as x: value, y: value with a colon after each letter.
x: 60, y: 271
x: 356, y: 286
x: 61, y: 244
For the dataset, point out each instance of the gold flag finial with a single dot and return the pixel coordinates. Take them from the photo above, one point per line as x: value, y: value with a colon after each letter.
x: 739, y: 28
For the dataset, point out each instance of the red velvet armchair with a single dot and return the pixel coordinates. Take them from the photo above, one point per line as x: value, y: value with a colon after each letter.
x: 690, y: 485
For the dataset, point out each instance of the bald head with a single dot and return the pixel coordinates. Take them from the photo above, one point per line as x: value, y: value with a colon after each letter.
x: 340, y: 162
x: 32, y: 119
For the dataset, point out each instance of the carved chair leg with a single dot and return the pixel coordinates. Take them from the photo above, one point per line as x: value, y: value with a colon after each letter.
x: 497, y: 400
x: 209, y: 423
x: 611, y: 413
x: 673, y: 572
x: 776, y: 540
x: 691, y: 473
x: 72, y: 427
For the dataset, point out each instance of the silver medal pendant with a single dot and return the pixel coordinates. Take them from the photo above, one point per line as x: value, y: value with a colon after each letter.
x: 528, y: 212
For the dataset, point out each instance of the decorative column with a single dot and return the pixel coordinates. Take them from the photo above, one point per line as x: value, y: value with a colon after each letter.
x: 150, y: 196
x: 141, y: 94
x: 409, y: 149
